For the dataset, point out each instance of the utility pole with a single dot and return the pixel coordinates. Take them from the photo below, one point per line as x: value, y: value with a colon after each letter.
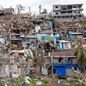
x: 30, y: 11
x: 53, y: 25
x: 39, y: 9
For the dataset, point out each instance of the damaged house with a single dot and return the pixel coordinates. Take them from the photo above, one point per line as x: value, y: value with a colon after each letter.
x: 61, y: 61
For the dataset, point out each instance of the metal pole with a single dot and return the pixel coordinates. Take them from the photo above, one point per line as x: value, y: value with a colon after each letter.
x: 51, y: 64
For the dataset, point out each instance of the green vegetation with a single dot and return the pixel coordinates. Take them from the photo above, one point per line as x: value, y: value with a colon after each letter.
x: 74, y: 84
x: 1, y: 84
x: 17, y: 82
x: 44, y: 83
x: 32, y: 83
x: 21, y: 79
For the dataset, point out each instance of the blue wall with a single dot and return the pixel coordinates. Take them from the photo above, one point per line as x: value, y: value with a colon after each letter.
x: 61, y: 68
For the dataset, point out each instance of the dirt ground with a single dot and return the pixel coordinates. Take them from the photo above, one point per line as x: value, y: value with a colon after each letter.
x: 52, y: 82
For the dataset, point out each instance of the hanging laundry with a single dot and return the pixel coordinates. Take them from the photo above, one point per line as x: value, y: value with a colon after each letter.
x: 29, y: 53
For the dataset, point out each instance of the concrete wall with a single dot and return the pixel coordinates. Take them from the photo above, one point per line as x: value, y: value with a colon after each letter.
x: 67, y: 12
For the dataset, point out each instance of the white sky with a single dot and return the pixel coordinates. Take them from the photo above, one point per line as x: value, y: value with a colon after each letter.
x: 34, y: 4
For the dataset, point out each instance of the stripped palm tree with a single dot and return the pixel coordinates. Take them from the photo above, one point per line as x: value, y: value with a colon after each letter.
x: 81, y: 57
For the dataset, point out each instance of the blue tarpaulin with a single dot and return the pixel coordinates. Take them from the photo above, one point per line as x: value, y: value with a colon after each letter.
x: 58, y: 37
x: 71, y: 36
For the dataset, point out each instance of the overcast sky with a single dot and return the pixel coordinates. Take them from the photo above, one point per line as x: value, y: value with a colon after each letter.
x: 34, y: 4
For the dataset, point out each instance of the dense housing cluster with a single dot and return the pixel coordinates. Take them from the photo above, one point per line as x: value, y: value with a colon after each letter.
x: 42, y: 45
